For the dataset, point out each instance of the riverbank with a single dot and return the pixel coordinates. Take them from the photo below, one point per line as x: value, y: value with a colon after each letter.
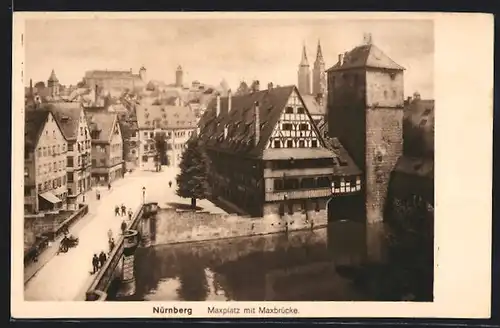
x: 173, y: 226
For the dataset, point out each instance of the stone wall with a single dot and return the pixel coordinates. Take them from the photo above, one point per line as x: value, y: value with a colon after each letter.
x: 384, y: 145
x: 175, y: 226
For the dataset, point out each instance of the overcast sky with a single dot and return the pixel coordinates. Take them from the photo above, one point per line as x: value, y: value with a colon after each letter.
x: 212, y: 50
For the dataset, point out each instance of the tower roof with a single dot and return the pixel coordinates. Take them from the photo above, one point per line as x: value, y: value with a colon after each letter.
x: 319, y: 53
x: 142, y: 68
x: 366, y: 56
x: 179, y: 68
x: 303, y: 61
x: 53, y: 77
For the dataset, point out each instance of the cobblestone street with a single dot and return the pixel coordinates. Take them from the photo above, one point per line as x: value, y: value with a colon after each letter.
x: 62, y: 277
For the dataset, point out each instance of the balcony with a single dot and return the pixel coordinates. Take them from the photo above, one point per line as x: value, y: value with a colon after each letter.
x: 303, y: 172
x: 298, y: 194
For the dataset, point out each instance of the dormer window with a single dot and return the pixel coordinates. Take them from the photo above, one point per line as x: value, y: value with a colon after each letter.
x: 289, y: 110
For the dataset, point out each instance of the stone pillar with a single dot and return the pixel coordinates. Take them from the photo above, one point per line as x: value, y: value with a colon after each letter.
x: 130, y: 243
x: 145, y: 231
x: 149, y: 211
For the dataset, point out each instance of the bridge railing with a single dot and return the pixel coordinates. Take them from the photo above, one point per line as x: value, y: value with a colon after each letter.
x: 105, y: 275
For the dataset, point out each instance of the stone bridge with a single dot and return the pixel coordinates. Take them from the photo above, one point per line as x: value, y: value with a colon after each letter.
x: 121, y: 259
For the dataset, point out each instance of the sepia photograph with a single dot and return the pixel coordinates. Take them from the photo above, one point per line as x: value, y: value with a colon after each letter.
x: 222, y: 160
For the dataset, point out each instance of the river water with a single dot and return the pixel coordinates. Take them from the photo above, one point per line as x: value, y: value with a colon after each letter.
x: 298, y: 266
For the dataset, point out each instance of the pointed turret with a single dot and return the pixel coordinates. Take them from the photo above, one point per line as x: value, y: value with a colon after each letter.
x: 319, y: 54
x: 303, y: 61
x: 53, y: 77
x: 319, y: 76
x: 304, y: 74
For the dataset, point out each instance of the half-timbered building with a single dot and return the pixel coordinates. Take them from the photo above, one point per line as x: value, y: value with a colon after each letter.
x: 270, y: 158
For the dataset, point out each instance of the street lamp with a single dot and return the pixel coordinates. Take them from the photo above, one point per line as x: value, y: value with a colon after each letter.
x: 143, y: 195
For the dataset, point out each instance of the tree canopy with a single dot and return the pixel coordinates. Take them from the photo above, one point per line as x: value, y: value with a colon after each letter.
x: 193, y: 180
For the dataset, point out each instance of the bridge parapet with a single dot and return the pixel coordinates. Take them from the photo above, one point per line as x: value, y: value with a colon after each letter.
x: 124, y: 249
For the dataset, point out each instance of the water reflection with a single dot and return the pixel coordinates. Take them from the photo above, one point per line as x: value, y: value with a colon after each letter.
x: 300, y: 266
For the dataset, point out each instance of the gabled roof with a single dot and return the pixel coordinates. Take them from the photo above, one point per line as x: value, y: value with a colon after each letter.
x: 366, y: 56
x: 166, y: 116
x: 343, y: 164
x: 102, y: 121
x: 241, y: 120
x: 34, y: 123
x: 67, y: 115
x: 312, y: 105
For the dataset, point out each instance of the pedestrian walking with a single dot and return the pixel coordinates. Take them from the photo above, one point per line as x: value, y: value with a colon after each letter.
x: 111, y: 244
x: 117, y: 210
x: 124, y: 210
x: 97, y: 194
x: 123, y: 227
x: 95, y: 264
x: 35, y: 254
x: 130, y: 213
x: 109, y: 185
x: 170, y: 184
x: 312, y: 224
x: 102, y: 259
x: 110, y: 235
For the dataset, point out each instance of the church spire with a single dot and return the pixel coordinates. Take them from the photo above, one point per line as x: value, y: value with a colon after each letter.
x: 304, y: 61
x: 52, y: 77
x: 319, y: 53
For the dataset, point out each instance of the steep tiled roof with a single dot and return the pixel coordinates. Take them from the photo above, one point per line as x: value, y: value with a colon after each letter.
x: 413, y: 176
x: 34, y: 122
x: 167, y: 117
x: 366, y: 56
x: 102, y: 121
x: 312, y: 105
x: 241, y: 130
x: 67, y: 115
x: 240, y: 121
x: 343, y: 163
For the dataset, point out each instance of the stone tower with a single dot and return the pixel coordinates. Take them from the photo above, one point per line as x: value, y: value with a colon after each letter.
x: 53, y: 84
x: 142, y: 74
x: 319, y: 74
x: 304, y: 74
x: 365, y: 112
x: 179, y: 75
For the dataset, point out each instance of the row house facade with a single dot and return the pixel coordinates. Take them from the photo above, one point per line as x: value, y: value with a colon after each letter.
x: 107, y: 147
x: 71, y: 118
x: 45, y: 184
x: 269, y: 157
x: 170, y: 126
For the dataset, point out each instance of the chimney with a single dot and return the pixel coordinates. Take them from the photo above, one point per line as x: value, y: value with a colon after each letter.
x: 408, y: 100
x: 256, y: 86
x: 31, y: 88
x: 96, y: 94
x: 269, y: 85
x: 341, y: 59
x: 257, y: 123
x: 229, y: 100
x: 367, y: 38
x: 218, y: 106
x: 319, y: 99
